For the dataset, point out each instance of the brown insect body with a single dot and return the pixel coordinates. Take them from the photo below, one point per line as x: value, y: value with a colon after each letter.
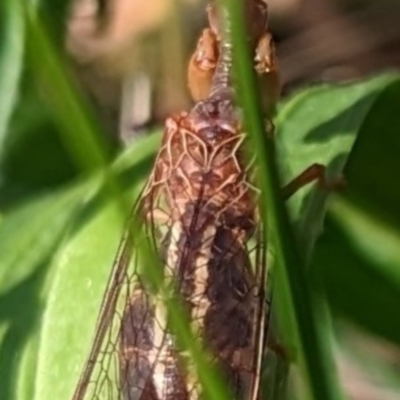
x: 201, y: 184
x: 200, y: 209
x: 201, y: 187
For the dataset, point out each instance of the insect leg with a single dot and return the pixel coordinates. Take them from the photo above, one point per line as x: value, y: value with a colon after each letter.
x: 202, y: 65
x: 315, y: 172
x: 267, y: 69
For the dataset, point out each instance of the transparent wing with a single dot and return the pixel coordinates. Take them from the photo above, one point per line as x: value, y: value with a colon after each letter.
x: 212, y: 252
x: 100, y: 372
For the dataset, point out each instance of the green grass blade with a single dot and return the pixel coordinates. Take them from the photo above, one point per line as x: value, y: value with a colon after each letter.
x: 316, y: 355
x: 12, y: 32
x: 80, y: 133
x: 29, y: 235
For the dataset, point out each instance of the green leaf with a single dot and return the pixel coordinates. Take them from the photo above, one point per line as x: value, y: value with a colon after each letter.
x: 33, y: 279
x: 29, y: 235
x: 358, y: 259
x: 374, y: 160
x: 64, y: 283
x: 19, y: 318
x: 320, y: 125
x: 80, y: 272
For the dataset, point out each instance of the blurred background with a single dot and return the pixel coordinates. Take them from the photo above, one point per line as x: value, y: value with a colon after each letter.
x: 122, y: 50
